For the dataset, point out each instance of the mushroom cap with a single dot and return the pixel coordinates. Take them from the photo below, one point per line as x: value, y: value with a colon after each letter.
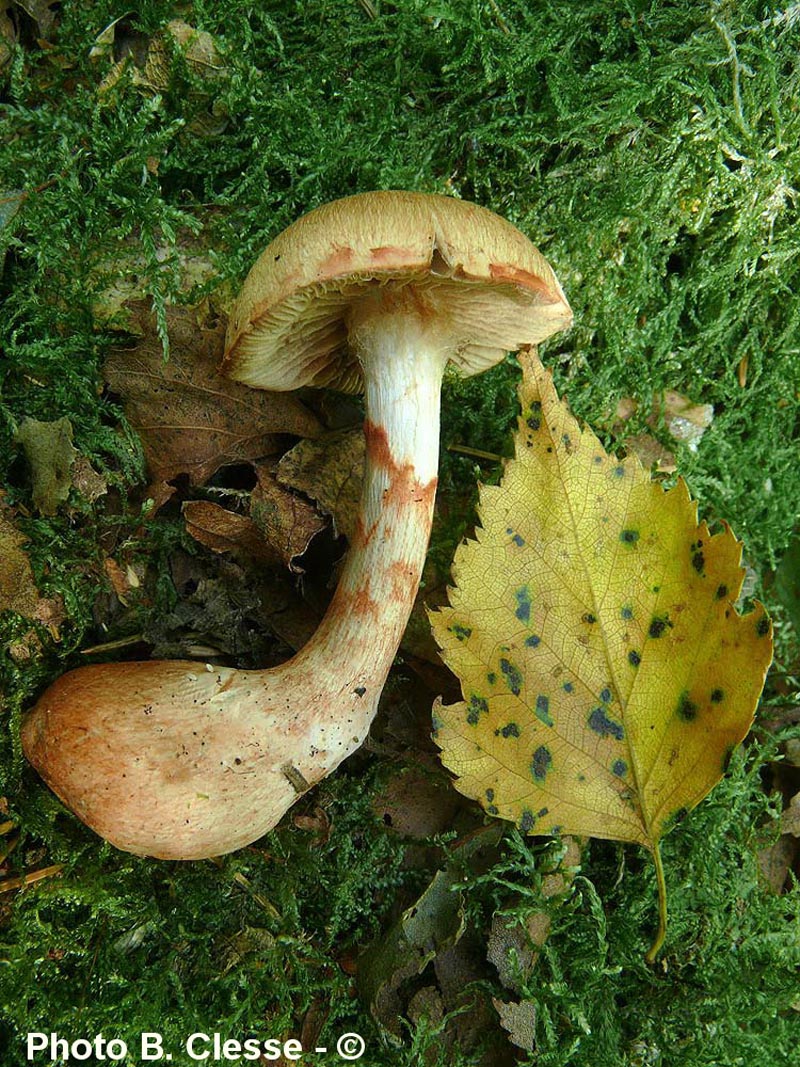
x: 489, y: 287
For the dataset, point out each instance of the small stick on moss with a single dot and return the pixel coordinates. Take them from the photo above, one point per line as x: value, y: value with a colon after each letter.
x: 7, y: 884
x: 477, y: 453
x: 112, y: 646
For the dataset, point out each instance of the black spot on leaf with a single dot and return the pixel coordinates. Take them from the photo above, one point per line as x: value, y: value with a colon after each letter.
x: 543, y: 709
x: 658, y: 626
x: 686, y: 709
x: 534, y: 419
x: 512, y: 675
x: 603, y: 726
x: 540, y: 764
x: 477, y: 706
x: 523, y: 599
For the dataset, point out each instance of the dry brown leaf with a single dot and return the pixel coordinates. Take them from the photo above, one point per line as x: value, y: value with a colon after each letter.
x: 50, y: 454
x: 50, y: 612
x: 226, y: 531
x: 777, y: 860
x: 42, y: 13
x: 626, y: 408
x: 18, y: 590
x: 191, y: 419
x: 427, y: 1005
x: 416, y: 804
x: 86, y: 479
x: 741, y: 371
x: 651, y: 453
x: 510, y: 947
x: 790, y: 820
x: 434, y: 922
x: 151, y: 64
x: 329, y: 470
x: 519, y: 1021
x: 513, y: 947
x: 200, y: 49
x: 285, y: 520
x: 8, y: 37
x: 315, y: 1019
x: 186, y: 256
x: 317, y: 823
x: 56, y: 466
x: 458, y: 971
x: 685, y: 420
x: 25, y: 648
x: 123, y: 579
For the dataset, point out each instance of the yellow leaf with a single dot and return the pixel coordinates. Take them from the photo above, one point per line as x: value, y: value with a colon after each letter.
x: 606, y: 674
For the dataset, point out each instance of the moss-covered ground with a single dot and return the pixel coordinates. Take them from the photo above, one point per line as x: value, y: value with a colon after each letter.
x: 651, y: 151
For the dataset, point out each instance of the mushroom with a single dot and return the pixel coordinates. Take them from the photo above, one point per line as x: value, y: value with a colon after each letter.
x: 180, y: 760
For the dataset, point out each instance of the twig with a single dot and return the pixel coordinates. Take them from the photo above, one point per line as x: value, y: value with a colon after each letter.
x: 477, y: 453
x: 7, y: 884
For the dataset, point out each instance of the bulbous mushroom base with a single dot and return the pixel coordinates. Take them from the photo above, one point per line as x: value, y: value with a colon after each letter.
x: 197, y: 762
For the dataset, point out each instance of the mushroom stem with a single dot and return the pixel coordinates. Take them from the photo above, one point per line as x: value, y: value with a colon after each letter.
x: 183, y: 761
x: 365, y: 622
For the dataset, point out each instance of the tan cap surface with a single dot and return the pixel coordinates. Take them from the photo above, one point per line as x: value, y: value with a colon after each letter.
x: 494, y: 291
